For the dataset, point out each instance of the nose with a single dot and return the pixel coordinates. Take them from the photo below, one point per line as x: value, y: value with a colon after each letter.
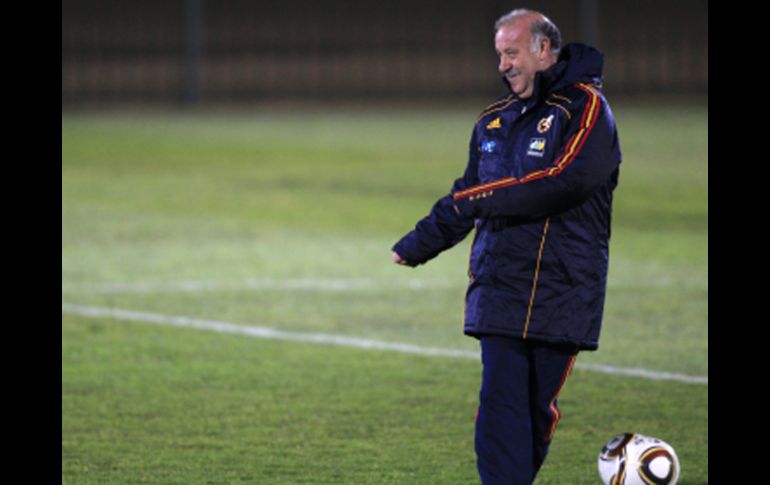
x: 503, y: 65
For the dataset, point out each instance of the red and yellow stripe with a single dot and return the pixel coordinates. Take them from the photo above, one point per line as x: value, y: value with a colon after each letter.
x: 537, y: 274
x: 556, y: 105
x: 505, y: 102
x: 552, y: 406
x: 562, y: 98
x: 573, y: 147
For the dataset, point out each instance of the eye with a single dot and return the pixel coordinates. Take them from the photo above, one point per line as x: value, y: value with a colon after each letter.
x: 508, y: 53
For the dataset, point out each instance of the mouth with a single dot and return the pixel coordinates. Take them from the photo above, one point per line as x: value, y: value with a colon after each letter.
x: 511, y: 74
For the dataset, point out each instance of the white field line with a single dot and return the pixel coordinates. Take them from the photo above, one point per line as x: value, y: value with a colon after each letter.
x: 339, y: 340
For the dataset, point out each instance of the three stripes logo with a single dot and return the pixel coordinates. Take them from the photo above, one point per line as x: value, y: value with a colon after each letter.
x: 495, y: 123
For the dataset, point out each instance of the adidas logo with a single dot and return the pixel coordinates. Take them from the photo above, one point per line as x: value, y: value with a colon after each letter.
x: 495, y: 123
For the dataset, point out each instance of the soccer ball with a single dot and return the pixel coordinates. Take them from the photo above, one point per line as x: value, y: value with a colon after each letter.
x: 635, y: 459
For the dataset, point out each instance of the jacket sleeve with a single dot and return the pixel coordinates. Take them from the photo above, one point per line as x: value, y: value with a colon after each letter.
x: 588, y: 156
x: 443, y: 227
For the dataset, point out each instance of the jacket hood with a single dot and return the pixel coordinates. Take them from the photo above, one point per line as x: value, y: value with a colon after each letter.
x: 577, y: 63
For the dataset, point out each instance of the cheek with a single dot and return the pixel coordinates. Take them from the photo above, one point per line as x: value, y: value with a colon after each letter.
x: 528, y: 70
x: 523, y: 66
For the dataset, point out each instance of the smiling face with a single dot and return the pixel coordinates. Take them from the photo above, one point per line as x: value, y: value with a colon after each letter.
x: 518, y: 63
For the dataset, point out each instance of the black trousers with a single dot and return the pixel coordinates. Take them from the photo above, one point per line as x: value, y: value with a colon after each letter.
x: 518, y: 411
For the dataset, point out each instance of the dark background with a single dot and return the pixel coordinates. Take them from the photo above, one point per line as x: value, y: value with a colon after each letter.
x: 197, y: 51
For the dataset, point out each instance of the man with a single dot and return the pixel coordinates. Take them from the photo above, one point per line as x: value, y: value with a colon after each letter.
x: 542, y: 167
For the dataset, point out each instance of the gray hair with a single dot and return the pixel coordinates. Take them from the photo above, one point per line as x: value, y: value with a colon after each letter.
x: 541, y: 29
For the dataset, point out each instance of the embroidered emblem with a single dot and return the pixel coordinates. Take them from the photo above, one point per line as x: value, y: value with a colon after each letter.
x: 536, y: 147
x: 488, y: 146
x: 495, y: 123
x: 544, y: 124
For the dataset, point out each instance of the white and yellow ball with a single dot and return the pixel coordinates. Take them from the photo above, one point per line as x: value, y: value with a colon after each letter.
x: 635, y: 459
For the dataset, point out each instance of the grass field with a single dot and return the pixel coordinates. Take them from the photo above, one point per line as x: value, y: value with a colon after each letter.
x: 284, y: 219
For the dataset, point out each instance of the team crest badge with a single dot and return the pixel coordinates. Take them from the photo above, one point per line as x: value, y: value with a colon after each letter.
x: 544, y: 124
x: 536, y: 147
x: 495, y: 123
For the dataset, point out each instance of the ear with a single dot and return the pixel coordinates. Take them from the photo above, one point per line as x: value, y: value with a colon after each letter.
x: 545, y: 49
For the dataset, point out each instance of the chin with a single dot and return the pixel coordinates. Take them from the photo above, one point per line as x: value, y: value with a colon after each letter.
x: 515, y: 88
x: 521, y: 92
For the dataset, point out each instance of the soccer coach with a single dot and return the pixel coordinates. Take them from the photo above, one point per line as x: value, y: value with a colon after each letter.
x: 542, y: 167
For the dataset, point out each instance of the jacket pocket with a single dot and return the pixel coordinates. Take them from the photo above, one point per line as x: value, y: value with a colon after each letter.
x: 480, y: 259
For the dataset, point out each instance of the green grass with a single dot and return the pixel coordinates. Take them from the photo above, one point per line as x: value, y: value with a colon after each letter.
x: 227, y: 200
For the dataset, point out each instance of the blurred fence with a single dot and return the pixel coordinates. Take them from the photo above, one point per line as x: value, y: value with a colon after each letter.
x: 233, y: 50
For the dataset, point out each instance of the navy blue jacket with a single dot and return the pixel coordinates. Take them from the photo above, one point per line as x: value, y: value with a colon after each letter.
x: 538, y: 190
